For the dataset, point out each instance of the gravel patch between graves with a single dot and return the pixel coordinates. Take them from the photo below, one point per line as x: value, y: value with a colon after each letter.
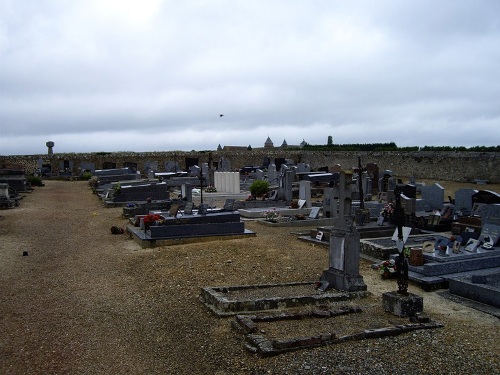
x: 85, y: 301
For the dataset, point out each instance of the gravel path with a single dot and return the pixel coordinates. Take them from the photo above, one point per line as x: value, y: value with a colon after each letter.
x: 87, y: 302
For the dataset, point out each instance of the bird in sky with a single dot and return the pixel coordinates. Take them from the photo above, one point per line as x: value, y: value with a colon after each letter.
x: 221, y: 115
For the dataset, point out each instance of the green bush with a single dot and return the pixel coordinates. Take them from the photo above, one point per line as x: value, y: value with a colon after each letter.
x: 35, y: 181
x: 86, y: 175
x: 259, y: 188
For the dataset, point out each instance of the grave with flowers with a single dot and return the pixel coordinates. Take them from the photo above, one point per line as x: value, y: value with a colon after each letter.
x: 169, y: 227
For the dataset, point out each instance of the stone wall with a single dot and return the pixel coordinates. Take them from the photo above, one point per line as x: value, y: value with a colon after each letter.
x: 433, y: 165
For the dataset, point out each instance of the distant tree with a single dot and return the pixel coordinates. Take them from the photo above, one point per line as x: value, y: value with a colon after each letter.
x: 249, y: 148
x: 330, y: 141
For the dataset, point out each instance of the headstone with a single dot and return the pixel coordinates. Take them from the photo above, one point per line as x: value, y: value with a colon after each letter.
x: 229, y: 205
x: 203, y: 209
x: 305, y: 192
x: 172, y: 166
x: 87, y: 166
x: 131, y: 165
x: 490, y: 233
x: 486, y: 197
x: 266, y: 161
x: 187, y: 192
x: 65, y: 167
x: 205, y: 171
x: 433, y: 195
x: 463, y: 200
x: 314, y: 213
x: 383, y: 182
x: 224, y: 165
x: 272, y: 176
x: 194, y: 171
x: 490, y: 214
x: 259, y: 174
x: 483, y: 198
x: 287, y: 176
x: 279, y: 162
x: 303, y: 168
x: 366, y: 182
x: 392, y: 183
x: 409, y: 190
x: 408, y: 204
x: 329, y: 203
x: 373, y: 172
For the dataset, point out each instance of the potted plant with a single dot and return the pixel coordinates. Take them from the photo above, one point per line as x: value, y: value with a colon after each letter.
x: 259, y: 188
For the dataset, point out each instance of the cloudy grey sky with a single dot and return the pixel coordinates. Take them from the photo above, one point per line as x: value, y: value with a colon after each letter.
x: 154, y: 75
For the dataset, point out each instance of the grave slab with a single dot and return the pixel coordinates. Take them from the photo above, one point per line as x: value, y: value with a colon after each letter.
x: 480, y: 288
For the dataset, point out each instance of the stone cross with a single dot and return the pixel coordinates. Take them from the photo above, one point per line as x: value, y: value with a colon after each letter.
x: 360, y: 171
x: 343, y: 219
x: 402, y: 262
x: 344, y: 251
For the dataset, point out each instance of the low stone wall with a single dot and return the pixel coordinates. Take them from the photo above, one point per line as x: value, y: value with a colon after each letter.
x: 433, y: 165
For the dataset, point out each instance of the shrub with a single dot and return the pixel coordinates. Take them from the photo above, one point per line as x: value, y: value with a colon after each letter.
x: 259, y: 188
x: 35, y: 181
x: 86, y: 175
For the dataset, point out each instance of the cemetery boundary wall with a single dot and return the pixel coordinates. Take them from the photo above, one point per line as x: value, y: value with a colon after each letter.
x: 434, y: 165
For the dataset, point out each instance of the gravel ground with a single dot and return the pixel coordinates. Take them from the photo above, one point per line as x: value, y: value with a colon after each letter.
x: 88, y: 302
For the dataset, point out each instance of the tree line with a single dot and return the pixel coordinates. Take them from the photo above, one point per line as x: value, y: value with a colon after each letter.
x: 391, y: 146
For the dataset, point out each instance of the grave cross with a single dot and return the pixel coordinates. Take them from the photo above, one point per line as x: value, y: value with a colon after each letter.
x: 401, y: 262
x: 342, y: 190
x: 201, y: 178
x: 360, y: 171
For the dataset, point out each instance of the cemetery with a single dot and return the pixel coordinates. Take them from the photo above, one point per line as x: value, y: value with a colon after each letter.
x: 321, y: 283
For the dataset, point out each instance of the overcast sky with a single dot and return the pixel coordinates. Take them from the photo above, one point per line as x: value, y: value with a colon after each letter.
x: 155, y: 75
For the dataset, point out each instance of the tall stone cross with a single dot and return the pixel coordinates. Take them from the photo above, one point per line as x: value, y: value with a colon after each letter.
x: 342, y: 219
x: 344, y: 252
x: 402, y: 262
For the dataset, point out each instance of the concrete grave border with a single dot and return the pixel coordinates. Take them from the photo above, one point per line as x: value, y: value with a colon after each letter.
x: 265, y: 347
x: 217, y: 300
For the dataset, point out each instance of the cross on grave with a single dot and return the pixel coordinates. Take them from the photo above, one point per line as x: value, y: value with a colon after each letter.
x: 401, y: 262
x: 201, y: 178
x: 344, y: 249
x: 359, y: 170
x: 401, y: 303
x: 362, y: 214
x: 342, y: 190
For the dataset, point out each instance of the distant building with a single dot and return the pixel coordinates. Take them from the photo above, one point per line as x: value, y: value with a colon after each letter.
x: 268, y: 143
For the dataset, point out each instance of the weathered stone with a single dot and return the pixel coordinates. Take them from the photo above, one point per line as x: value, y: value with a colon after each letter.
x: 402, y: 305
